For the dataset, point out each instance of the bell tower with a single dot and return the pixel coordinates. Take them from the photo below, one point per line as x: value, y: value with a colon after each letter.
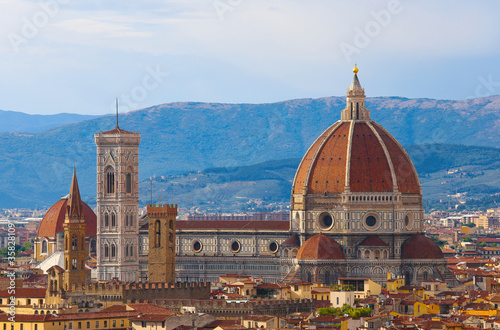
x: 117, y: 204
x: 74, y: 238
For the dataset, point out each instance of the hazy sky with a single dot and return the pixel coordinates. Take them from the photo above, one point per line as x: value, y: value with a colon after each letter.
x: 78, y: 55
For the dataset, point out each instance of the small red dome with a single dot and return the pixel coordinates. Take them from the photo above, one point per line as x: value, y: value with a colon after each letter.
x: 320, y: 247
x: 420, y: 247
x: 53, y: 220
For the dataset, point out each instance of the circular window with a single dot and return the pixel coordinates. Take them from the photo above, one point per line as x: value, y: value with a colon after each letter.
x: 371, y: 221
x: 408, y: 222
x: 325, y: 221
x: 197, y: 246
x: 273, y: 247
x: 235, y: 246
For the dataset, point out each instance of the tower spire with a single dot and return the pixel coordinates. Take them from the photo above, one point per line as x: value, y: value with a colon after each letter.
x: 74, y: 208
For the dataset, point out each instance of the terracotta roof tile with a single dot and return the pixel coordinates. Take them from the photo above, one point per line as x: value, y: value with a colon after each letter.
x: 320, y: 247
x: 52, y: 222
x: 372, y: 240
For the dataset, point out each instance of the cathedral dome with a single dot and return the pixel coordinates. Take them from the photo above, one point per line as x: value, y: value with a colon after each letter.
x: 357, y: 155
x: 320, y: 247
x: 53, y: 220
x: 420, y: 247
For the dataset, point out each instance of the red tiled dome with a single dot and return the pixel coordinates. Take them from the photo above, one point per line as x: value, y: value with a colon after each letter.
x: 359, y: 151
x: 53, y: 220
x: 320, y: 247
x: 420, y: 247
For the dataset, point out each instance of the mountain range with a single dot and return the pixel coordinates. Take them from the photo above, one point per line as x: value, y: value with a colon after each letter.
x: 14, y: 121
x: 177, y: 138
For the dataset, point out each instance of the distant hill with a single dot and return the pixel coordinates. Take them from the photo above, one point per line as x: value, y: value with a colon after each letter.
x: 443, y: 169
x: 12, y: 121
x: 35, y: 168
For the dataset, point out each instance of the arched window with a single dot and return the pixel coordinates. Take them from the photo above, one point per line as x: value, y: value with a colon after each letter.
x: 74, y: 243
x: 93, y: 248
x: 377, y: 254
x: 126, y: 220
x: 106, y: 220
x: 44, y: 246
x: 106, y: 251
x: 407, y: 278
x: 128, y: 182
x: 425, y: 276
x: 126, y: 250
x: 171, y: 224
x: 74, y: 264
x: 131, y: 220
x: 170, y: 237
x: 357, y: 110
x: 110, y: 180
x: 309, y: 277
x: 367, y: 254
x: 327, y: 277
x: 113, y: 251
x: 157, y: 233
x: 131, y: 250
x: 113, y: 220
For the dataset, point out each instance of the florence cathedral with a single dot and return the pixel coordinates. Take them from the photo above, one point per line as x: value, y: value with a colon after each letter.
x: 356, y: 212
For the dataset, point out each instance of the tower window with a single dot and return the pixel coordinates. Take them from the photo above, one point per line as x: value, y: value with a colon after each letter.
x: 131, y: 251
x: 110, y: 181
x: 74, y: 243
x: 113, y: 251
x: 44, y: 246
x: 106, y: 220
x: 171, y: 224
x: 126, y: 251
x: 113, y: 220
x: 131, y: 220
x: 157, y: 233
x: 74, y: 264
x: 106, y: 251
x: 128, y: 183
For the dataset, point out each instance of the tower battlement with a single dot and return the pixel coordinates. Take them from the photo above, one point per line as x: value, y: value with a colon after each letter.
x: 159, y: 210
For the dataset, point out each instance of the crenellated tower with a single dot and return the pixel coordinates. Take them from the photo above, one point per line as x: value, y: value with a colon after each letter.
x: 161, y: 257
x: 117, y: 204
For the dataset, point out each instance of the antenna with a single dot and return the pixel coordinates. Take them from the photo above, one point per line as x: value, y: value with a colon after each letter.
x: 151, y: 190
x: 116, y: 112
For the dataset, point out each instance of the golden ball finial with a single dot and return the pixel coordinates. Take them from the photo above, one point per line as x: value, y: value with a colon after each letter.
x: 355, y: 70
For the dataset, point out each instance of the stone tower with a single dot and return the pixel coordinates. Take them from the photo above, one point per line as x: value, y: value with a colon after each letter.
x: 74, y: 238
x: 161, y: 257
x: 117, y: 205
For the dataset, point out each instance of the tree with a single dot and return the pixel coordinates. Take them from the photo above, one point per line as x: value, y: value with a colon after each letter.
x: 27, y: 246
x: 440, y: 243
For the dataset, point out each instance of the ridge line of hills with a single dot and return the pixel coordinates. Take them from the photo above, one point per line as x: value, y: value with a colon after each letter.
x: 36, y: 167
